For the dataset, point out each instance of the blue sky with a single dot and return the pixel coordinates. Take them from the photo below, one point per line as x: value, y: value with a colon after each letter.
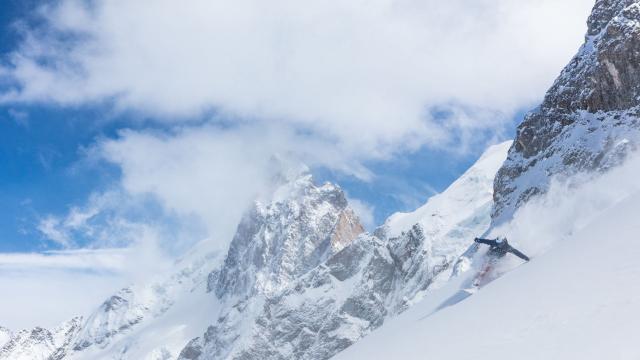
x: 50, y: 128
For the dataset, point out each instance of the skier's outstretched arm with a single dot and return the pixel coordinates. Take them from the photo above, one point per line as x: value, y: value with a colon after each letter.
x: 517, y: 253
x: 485, y: 241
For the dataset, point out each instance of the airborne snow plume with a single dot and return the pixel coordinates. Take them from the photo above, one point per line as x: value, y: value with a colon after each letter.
x: 575, y: 299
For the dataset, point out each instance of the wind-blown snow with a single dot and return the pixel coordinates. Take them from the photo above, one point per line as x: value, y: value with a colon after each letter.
x: 577, y: 299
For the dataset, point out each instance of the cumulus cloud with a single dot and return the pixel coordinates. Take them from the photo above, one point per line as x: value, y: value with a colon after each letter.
x: 329, y: 83
x: 111, y: 218
x: 365, y: 74
x: 213, y: 174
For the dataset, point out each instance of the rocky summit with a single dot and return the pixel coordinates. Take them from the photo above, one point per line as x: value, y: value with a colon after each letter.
x: 589, y: 119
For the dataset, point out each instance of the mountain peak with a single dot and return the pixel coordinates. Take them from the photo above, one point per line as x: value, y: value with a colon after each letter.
x: 590, y: 108
x: 299, y: 227
x: 603, y: 12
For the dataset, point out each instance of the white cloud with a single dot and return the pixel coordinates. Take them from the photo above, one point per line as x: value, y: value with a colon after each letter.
x: 116, y: 249
x: 213, y: 174
x: 50, y: 227
x: 46, y: 289
x: 362, y: 73
x: 329, y: 83
x: 102, y: 261
x: 364, y: 212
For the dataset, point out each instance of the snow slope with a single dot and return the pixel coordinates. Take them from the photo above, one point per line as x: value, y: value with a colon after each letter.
x: 5, y: 336
x: 466, y: 196
x: 37, y: 343
x: 451, y: 219
x: 151, y: 321
x: 579, y: 298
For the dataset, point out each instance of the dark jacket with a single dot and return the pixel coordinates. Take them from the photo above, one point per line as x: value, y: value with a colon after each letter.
x: 499, y: 249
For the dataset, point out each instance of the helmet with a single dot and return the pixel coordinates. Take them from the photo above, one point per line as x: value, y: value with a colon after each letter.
x: 501, y: 240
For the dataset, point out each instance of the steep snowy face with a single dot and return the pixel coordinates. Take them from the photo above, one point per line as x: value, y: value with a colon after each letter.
x: 282, y: 238
x: 453, y: 217
x: 300, y: 227
x: 5, y: 336
x: 589, y: 119
x: 328, y: 308
x: 136, y: 306
x: 38, y: 343
x: 153, y: 320
x: 123, y: 323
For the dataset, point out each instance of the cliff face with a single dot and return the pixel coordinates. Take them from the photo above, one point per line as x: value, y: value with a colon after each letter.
x: 278, y: 241
x: 589, y: 119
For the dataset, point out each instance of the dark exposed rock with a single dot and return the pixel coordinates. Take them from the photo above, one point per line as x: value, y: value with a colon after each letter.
x: 588, y: 120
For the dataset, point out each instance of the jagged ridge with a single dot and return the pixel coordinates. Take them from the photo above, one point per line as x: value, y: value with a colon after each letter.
x: 588, y: 120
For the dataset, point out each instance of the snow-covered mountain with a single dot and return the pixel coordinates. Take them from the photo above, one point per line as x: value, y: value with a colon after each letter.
x: 277, y: 242
x: 38, y: 343
x: 300, y: 227
x: 357, y: 288
x: 300, y: 279
x: 144, y: 321
x: 295, y: 228
x: 452, y: 218
x: 5, y: 336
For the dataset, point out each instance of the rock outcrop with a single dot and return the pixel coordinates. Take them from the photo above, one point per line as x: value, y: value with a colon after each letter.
x: 589, y: 119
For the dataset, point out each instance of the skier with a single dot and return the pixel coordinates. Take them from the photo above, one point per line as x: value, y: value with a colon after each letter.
x: 498, y: 248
